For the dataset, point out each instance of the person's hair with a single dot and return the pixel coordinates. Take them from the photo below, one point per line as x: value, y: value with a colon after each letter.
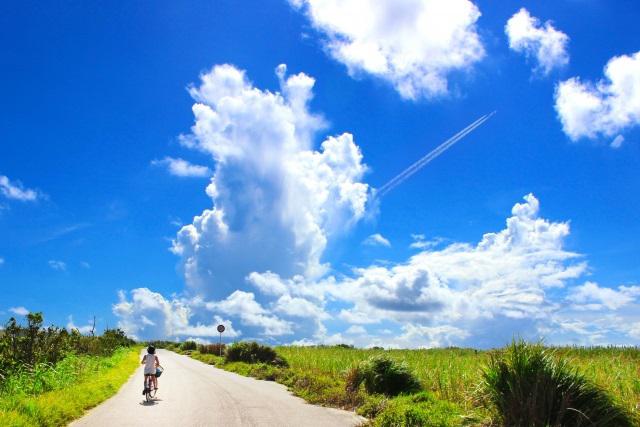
x: 151, y: 349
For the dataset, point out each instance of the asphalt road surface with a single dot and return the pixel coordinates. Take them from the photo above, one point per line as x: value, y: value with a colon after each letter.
x: 192, y: 393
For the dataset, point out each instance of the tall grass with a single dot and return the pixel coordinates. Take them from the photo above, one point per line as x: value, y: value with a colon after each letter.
x: 382, y: 375
x: 454, y: 374
x: 61, y: 393
x: 451, y: 374
x: 530, y: 387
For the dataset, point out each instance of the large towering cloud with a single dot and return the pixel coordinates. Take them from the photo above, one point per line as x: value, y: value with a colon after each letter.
x: 413, y: 44
x: 253, y: 259
x: 275, y: 199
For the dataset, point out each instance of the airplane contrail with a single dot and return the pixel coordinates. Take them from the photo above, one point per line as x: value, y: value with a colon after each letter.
x: 415, y: 167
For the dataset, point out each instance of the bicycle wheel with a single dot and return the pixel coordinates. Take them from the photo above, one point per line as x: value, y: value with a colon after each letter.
x: 150, y: 391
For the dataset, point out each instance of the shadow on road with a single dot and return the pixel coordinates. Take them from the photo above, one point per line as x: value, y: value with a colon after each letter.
x: 152, y: 403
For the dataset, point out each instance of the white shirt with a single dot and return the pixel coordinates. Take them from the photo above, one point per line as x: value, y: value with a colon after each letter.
x: 150, y: 364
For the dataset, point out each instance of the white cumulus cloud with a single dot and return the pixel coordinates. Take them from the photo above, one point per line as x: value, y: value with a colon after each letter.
x: 251, y: 313
x: 591, y: 296
x: 415, y: 45
x: 144, y: 314
x: 544, y: 43
x: 182, y: 168
x: 502, y: 280
x: 16, y: 191
x: 605, y: 108
x: 275, y: 199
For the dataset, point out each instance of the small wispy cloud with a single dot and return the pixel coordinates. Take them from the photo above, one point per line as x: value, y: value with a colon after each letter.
x: 19, y: 311
x: 421, y: 242
x: 176, y: 222
x: 1, y: 261
x: 63, y: 231
x: 182, y: 168
x: 85, y: 264
x: 57, y: 265
x: 617, y: 141
x: 376, y: 240
x: 16, y: 191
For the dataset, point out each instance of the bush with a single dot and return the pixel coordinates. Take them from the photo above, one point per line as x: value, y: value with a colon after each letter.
x: 383, y: 375
x: 32, y: 346
x: 216, y: 349
x: 419, y: 410
x: 529, y: 387
x: 252, y: 352
x: 188, y: 345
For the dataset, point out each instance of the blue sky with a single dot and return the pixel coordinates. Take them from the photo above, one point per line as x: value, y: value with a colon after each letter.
x: 162, y: 171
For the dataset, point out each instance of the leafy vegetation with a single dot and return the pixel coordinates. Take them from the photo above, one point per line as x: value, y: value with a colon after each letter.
x: 33, y: 347
x: 94, y: 380
x: 49, y: 376
x: 530, y: 387
x: 189, y: 346
x: 451, y: 379
x: 217, y: 349
x: 421, y: 409
x: 383, y: 375
x: 252, y: 352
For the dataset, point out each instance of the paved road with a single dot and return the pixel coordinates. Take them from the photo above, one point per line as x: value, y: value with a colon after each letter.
x: 192, y: 393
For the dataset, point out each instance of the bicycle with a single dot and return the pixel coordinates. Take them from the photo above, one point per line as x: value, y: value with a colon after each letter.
x: 149, y: 388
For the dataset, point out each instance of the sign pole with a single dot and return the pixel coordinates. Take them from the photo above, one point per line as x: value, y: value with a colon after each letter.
x: 221, y: 330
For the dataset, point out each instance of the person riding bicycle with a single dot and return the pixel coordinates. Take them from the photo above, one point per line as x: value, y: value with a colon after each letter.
x: 151, y: 364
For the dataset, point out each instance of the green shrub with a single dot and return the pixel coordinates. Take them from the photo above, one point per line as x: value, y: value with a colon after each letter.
x: 216, y: 349
x: 419, y: 410
x: 252, y: 352
x: 529, y: 386
x: 188, y: 345
x: 31, y: 348
x: 373, y: 405
x: 383, y: 375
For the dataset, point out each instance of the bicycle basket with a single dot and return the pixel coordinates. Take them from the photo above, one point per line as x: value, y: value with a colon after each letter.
x: 159, y: 371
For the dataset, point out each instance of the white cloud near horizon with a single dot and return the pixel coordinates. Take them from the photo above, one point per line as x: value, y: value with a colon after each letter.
x: 144, y: 315
x: 606, y: 108
x: 414, y: 45
x: 85, y: 329
x: 546, y: 45
x: 377, y: 239
x: 16, y: 191
x: 276, y: 201
x: 516, y: 281
x: 182, y: 168
x: 19, y: 311
x: 591, y: 296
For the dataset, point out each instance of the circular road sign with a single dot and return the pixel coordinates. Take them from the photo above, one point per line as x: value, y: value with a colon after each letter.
x: 221, y: 328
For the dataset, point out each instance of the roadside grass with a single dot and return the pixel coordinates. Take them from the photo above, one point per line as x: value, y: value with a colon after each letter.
x: 450, y: 377
x: 62, y: 393
x: 454, y: 374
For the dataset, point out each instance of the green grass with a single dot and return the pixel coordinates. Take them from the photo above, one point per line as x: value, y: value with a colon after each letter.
x: 55, y: 396
x: 454, y: 374
x: 451, y: 377
x: 529, y: 386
